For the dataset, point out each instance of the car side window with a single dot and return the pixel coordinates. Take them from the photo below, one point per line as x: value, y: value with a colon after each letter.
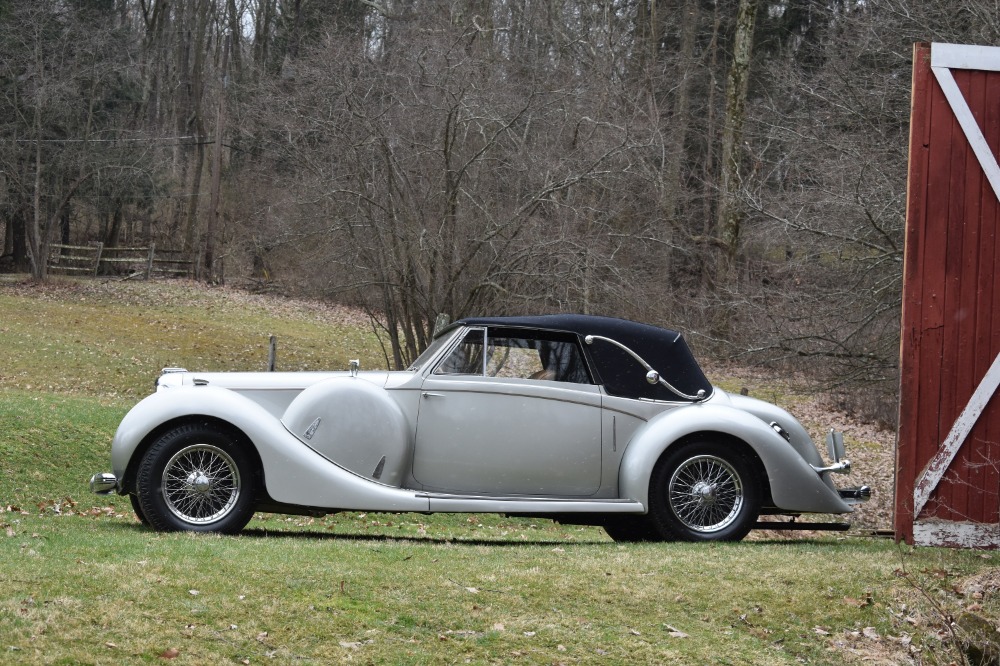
x: 466, y: 358
x: 515, y: 358
x: 516, y: 355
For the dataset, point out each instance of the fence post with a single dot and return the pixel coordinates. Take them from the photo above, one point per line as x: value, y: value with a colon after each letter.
x: 149, y: 264
x: 272, y: 355
x: 97, y: 258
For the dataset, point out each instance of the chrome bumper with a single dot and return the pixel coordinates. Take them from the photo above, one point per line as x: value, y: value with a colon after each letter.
x: 839, y: 467
x: 103, y: 483
x: 858, y: 495
x: 835, y: 447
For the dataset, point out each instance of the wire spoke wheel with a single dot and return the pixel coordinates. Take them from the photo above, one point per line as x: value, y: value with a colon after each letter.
x: 705, y: 490
x: 705, y: 493
x: 201, y: 484
x: 198, y: 477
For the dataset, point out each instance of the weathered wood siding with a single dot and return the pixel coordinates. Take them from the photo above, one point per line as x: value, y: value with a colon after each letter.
x: 948, y: 453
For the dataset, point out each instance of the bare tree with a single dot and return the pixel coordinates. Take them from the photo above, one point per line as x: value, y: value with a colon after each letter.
x: 61, y: 83
x: 453, y: 184
x: 732, y: 167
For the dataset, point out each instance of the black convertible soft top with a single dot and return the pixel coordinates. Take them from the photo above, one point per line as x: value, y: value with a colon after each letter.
x: 665, y: 350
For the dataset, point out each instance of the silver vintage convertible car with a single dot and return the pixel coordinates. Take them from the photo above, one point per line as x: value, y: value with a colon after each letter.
x: 586, y: 420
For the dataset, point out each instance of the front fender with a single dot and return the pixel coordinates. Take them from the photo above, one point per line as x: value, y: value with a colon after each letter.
x: 293, y: 473
x: 795, y: 486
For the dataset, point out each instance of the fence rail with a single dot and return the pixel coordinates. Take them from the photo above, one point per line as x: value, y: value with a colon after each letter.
x: 96, y: 259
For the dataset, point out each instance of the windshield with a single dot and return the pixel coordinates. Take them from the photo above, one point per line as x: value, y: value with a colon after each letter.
x: 430, y: 352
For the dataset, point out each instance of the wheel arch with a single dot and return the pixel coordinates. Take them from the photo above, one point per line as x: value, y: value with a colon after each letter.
x: 741, y: 447
x: 142, y: 447
x: 786, y: 477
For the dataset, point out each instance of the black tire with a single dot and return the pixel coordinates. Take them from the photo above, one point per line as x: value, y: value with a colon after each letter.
x: 631, y: 529
x: 137, y: 508
x: 704, y: 491
x: 197, y: 477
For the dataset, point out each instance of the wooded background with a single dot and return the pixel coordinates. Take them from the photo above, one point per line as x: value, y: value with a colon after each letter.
x: 732, y: 168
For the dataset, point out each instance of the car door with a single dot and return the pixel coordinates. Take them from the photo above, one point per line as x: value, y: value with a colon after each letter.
x: 510, y: 413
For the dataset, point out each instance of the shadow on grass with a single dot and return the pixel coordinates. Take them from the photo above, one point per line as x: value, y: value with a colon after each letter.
x: 405, y: 538
x: 262, y: 533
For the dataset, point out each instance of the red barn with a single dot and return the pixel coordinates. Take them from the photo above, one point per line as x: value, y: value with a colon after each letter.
x: 948, y: 452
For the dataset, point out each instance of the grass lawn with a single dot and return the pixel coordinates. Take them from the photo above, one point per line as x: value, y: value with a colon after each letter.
x: 81, y: 581
x: 96, y: 587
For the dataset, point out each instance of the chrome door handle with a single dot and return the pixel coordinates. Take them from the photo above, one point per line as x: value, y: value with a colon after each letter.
x: 428, y: 394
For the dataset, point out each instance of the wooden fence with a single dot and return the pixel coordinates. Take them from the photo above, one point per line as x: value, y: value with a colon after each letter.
x: 96, y: 259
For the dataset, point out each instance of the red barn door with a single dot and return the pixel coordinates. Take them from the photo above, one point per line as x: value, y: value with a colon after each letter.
x: 948, y: 452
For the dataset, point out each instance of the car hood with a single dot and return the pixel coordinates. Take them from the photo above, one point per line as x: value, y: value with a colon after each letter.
x: 261, y: 380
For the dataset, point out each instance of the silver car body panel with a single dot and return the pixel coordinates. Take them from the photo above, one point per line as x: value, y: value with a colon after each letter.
x: 297, y: 474
x: 293, y: 473
x: 488, y: 435
x: 795, y: 486
x: 354, y: 423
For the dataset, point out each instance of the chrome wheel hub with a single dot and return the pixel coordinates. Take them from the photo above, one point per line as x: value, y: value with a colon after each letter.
x: 199, y: 482
x: 704, y: 492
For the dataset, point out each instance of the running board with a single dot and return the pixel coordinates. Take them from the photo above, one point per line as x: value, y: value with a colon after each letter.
x: 818, y: 527
x: 445, y: 503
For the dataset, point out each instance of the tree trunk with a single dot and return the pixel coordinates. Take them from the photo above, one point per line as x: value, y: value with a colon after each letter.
x: 191, y: 223
x: 64, y: 225
x: 730, y: 216
x: 193, y: 121
x: 18, y: 226
x: 35, y: 228
x: 263, y: 25
x: 235, y: 35
x: 213, y: 213
x: 708, y: 196
x: 113, y: 237
x: 8, y: 238
x: 680, y: 122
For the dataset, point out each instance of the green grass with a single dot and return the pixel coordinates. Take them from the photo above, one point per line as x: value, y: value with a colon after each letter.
x: 47, y: 442
x: 81, y: 581
x: 111, y: 339
x: 96, y: 588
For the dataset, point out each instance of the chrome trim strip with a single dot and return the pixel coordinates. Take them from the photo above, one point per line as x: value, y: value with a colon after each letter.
x: 459, y: 504
x: 525, y: 498
x: 614, y: 432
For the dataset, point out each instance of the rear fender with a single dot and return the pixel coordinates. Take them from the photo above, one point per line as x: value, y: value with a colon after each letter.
x: 794, y: 485
x: 293, y: 472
